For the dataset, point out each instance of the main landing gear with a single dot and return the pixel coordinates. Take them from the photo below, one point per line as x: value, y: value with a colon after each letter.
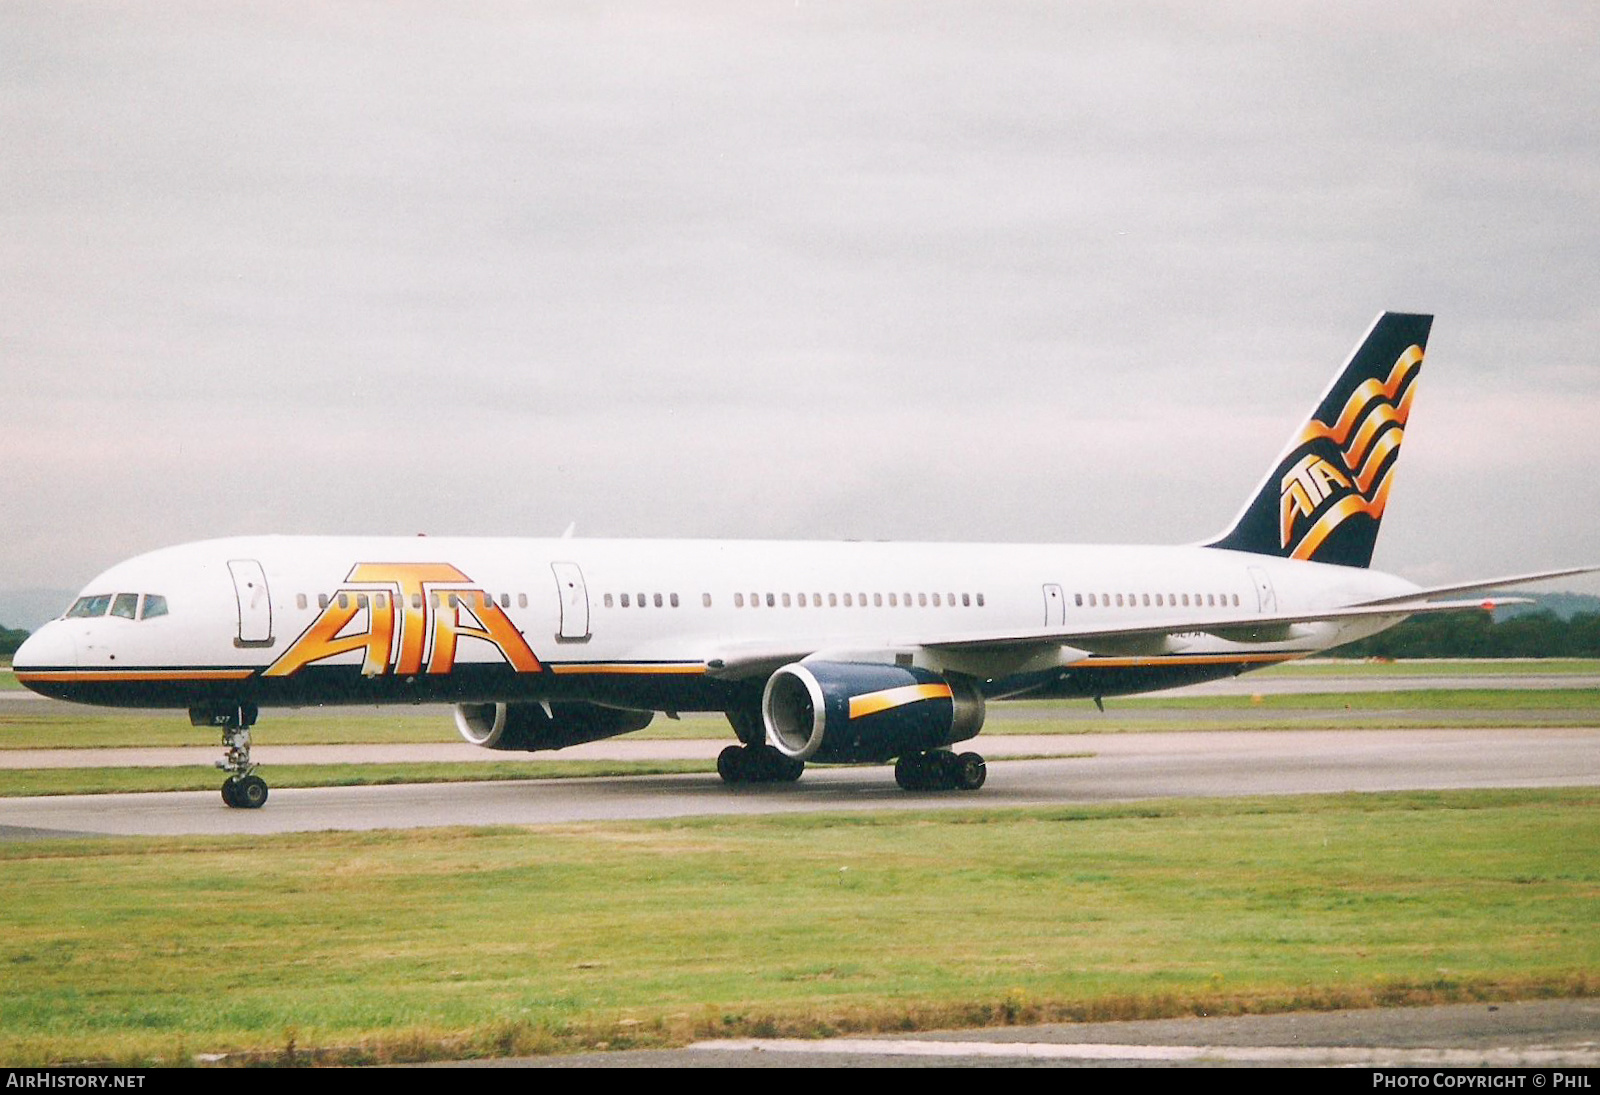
x: 243, y: 790
x: 940, y: 770
x: 757, y: 764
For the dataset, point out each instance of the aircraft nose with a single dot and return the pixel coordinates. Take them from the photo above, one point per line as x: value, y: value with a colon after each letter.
x: 49, y: 647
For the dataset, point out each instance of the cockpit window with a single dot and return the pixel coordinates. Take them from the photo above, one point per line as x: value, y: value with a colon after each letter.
x: 85, y: 607
x: 125, y: 605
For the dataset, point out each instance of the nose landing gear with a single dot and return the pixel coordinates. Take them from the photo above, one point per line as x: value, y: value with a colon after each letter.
x: 243, y: 790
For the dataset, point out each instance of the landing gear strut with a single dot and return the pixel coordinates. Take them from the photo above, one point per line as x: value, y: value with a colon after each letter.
x: 757, y: 764
x: 940, y: 770
x: 243, y: 790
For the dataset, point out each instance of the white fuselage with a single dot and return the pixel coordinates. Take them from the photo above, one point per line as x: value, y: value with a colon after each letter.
x: 664, y: 625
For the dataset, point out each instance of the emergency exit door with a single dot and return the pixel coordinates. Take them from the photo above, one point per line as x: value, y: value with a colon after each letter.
x: 574, y: 602
x: 255, y: 603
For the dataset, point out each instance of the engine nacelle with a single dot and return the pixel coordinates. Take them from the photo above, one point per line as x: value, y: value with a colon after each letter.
x: 856, y: 711
x: 526, y: 727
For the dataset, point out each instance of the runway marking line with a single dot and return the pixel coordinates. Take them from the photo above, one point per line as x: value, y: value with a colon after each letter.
x: 1586, y: 1055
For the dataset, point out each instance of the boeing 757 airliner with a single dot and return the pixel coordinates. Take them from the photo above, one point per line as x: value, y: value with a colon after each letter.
x: 841, y: 652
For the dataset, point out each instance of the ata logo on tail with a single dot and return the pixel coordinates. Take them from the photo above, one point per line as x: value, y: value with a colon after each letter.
x: 1346, y: 468
x: 411, y: 618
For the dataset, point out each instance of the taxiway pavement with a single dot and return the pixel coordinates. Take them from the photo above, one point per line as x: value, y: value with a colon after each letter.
x: 1122, y: 767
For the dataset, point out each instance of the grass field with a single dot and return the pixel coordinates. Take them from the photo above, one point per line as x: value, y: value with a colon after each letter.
x: 1432, y: 667
x: 406, y: 946
x: 47, y: 725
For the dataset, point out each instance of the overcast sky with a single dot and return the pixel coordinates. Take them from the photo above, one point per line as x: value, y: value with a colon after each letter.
x: 981, y: 271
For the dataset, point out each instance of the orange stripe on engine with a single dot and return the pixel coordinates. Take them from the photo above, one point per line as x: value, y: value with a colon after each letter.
x: 872, y: 702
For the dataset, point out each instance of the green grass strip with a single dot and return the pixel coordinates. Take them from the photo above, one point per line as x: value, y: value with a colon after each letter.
x: 1419, y: 699
x: 1434, y: 667
x: 54, y: 726
x: 360, y: 947
x: 18, y: 782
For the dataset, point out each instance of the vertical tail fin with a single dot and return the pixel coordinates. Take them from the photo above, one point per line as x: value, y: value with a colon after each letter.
x: 1325, y: 496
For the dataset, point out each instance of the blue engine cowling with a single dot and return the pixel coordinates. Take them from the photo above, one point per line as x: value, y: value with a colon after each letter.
x: 855, y: 711
x: 527, y: 727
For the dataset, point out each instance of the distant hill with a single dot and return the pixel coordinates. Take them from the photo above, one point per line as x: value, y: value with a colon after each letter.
x: 1556, y: 625
x: 1563, y: 606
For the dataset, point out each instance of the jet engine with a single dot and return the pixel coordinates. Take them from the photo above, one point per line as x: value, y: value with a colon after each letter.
x: 855, y: 711
x: 528, y: 727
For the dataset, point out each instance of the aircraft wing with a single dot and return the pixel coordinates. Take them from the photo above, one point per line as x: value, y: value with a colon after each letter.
x: 748, y: 660
x: 760, y: 659
x: 1259, y: 628
x: 1484, y: 585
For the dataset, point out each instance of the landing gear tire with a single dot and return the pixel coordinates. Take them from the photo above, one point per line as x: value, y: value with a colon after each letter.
x: 731, y: 765
x: 251, y: 794
x: 247, y: 793
x: 971, y: 772
x: 940, y: 770
x: 757, y: 764
x: 909, y: 772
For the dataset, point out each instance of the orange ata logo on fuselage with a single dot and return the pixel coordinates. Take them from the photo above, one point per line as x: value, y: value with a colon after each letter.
x: 413, y: 615
x: 1361, y: 440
